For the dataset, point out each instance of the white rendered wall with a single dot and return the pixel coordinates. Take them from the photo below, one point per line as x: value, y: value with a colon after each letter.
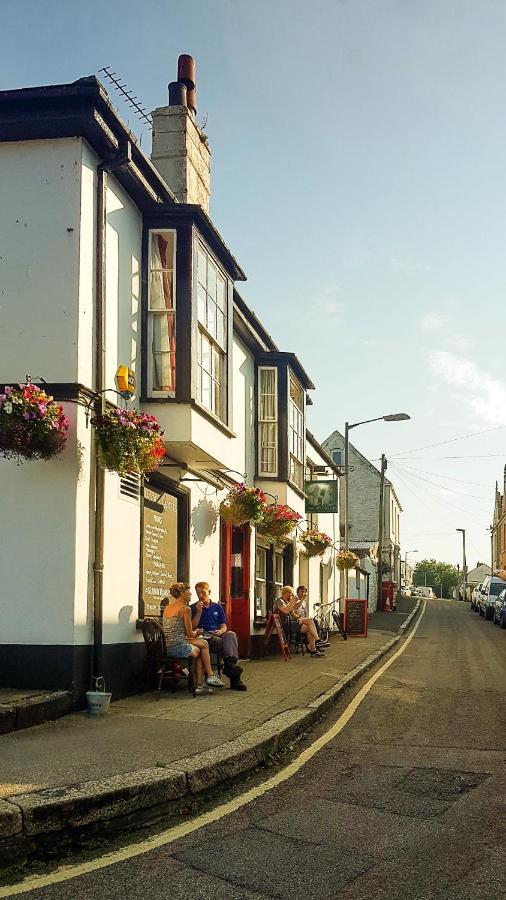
x: 38, y: 547
x: 39, y: 265
x: 39, y: 259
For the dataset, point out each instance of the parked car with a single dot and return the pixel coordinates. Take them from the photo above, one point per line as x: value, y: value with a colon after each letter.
x: 500, y: 609
x: 474, y: 597
x: 490, y: 589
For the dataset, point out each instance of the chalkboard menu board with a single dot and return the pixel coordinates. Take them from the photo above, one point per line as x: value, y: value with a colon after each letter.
x: 355, y: 617
x: 159, y: 548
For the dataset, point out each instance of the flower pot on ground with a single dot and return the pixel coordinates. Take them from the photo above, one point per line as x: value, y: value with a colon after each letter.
x: 32, y: 424
x: 128, y: 441
x: 278, y: 522
x: 243, y: 504
x: 315, y: 542
x: 346, y: 559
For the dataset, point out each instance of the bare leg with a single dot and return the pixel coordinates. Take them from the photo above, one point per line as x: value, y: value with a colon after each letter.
x: 204, y: 658
x: 199, y: 671
x: 309, y: 628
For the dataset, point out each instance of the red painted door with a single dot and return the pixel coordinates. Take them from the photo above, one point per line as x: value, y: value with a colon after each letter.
x: 235, y: 563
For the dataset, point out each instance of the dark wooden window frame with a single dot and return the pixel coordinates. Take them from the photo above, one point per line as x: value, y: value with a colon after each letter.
x: 284, y: 370
x: 187, y: 237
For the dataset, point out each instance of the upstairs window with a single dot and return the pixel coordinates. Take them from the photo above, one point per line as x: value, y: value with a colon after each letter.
x: 162, y: 313
x: 212, y: 317
x: 267, y: 421
x: 296, y: 433
x: 337, y: 457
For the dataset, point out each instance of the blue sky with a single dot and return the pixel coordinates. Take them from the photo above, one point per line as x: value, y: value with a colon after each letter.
x: 358, y: 175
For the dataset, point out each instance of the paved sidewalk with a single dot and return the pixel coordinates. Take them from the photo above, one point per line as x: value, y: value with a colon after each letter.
x: 141, y: 732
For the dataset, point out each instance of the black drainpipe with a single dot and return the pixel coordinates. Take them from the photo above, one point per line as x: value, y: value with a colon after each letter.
x: 122, y: 158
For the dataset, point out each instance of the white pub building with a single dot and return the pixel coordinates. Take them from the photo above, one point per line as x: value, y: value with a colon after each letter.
x: 107, y: 259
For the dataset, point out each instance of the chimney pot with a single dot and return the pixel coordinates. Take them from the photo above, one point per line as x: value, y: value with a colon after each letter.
x: 186, y: 70
x: 177, y: 94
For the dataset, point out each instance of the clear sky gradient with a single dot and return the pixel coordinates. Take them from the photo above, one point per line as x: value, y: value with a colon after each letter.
x: 359, y: 178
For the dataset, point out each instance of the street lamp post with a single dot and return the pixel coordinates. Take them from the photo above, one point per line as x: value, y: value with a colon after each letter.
x: 393, y: 417
x: 464, y: 564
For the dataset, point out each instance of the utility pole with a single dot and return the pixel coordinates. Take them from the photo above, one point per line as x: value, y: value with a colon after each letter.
x: 464, y: 563
x: 380, y: 528
x: 346, y: 484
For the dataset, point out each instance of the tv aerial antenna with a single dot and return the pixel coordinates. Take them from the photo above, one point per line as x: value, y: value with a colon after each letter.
x: 127, y: 96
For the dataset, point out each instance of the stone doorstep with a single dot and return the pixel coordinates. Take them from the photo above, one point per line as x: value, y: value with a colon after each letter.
x: 29, y: 711
x: 81, y: 805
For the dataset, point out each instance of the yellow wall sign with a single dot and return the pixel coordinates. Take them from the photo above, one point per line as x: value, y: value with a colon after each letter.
x: 125, y: 380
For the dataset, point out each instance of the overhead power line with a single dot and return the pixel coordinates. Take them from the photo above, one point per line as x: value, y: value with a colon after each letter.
x: 462, y: 437
x: 467, y: 456
x: 447, y: 477
x: 453, y: 490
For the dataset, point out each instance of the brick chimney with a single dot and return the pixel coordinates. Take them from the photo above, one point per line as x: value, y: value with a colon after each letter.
x: 180, y: 150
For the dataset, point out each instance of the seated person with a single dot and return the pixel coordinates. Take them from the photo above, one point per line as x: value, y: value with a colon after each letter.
x: 210, y: 617
x: 289, y: 605
x: 183, y: 641
x: 302, y: 596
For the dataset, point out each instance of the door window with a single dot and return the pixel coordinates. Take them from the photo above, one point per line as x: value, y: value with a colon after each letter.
x: 261, y: 583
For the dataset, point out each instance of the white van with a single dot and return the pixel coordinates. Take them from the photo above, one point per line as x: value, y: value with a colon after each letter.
x: 490, y: 589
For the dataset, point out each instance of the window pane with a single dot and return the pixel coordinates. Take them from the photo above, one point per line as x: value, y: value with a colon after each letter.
x: 201, y: 304
x: 216, y: 398
x: 205, y: 395
x: 261, y: 562
x: 163, y: 373
x: 220, y: 329
x: 278, y: 569
x: 221, y: 293
x: 201, y: 266
x: 205, y: 354
x: 211, y: 279
x: 163, y: 348
x: 296, y: 393
x: 161, y: 289
x: 211, y: 317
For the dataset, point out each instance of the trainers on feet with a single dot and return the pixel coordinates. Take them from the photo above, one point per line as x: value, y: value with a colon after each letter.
x: 316, y: 653
x: 203, y: 689
x: 214, y: 681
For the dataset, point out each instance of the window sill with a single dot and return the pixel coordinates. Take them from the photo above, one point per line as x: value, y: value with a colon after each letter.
x: 212, y: 418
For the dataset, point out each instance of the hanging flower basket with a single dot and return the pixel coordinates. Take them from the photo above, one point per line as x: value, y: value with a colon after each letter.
x: 278, y: 521
x: 243, y: 504
x: 315, y: 542
x: 128, y: 441
x: 346, y: 559
x: 32, y: 425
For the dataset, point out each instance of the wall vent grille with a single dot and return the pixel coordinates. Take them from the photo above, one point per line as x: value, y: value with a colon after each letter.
x: 130, y: 486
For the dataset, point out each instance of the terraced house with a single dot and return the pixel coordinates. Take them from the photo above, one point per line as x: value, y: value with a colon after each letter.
x: 110, y: 263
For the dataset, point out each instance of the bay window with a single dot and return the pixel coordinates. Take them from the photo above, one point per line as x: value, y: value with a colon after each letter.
x: 162, y: 313
x: 212, y: 318
x: 296, y: 433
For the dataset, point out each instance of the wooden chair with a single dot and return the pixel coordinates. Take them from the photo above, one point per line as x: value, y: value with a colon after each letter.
x: 168, y: 668
x: 296, y: 636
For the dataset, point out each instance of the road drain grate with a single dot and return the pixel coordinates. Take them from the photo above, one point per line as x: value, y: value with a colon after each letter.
x: 443, y: 784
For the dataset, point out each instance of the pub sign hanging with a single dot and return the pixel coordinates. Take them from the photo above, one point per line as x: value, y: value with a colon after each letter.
x: 321, y: 496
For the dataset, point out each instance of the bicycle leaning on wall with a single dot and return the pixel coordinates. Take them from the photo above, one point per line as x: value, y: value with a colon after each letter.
x: 328, y: 619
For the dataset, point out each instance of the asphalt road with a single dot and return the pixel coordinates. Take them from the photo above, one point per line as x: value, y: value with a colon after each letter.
x: 408, y: 801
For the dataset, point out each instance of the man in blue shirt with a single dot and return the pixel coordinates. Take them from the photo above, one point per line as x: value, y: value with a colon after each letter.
x: 211, y: 617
